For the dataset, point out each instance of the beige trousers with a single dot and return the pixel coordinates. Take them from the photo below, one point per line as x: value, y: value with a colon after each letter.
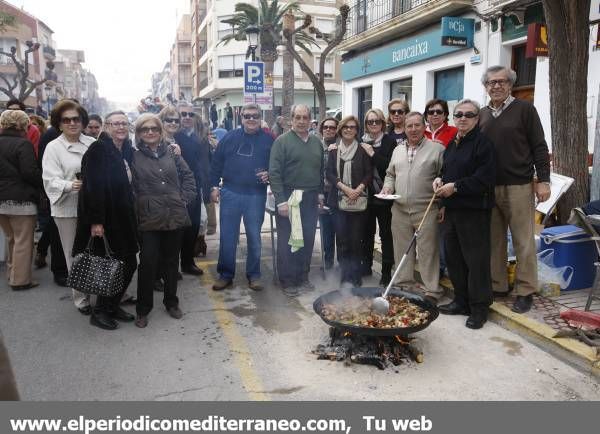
x: 404, y: 225
x: 19, y: 237
x: 66, y: 231
x: 515, y: 209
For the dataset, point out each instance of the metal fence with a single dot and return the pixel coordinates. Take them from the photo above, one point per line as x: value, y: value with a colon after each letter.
x: 366, y: 14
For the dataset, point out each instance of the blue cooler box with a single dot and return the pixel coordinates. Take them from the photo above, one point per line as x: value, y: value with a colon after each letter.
x: 573, y: 247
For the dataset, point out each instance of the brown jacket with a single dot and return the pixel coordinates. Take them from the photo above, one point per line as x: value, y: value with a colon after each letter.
x: 8, y: 386
x: 163, y: 186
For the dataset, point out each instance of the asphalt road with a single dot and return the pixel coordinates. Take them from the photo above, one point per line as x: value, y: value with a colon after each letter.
x: 245, y: 345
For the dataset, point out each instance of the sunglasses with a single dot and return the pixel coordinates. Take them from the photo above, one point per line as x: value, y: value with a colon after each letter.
x: 435, y: 112
x: 73, y: 120
x: 349, y: 127
x: 146, y: 130
x: 468, y: 115
x: 329, y: 127
x: 171, y: 121
x: 119, y: 124
x: 373, y: 121
x: 397, y: 112
x: 187, y: 114
x: 251, y: 116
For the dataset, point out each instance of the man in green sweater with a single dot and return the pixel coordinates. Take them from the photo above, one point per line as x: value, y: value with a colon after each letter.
x: 296, y: 164
x: 514, y: 127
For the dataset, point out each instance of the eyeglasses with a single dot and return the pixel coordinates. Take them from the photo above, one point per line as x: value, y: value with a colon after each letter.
x: 329, y: 127
x: 171, y: 121
x: 492, y: 83
x: 435, y: 112
x: 468, y: 115
x: 73, y: 120
x: 349, y: 127
x: 397, y: 112
x: 119, y: 124
x: 187, y: 114
x: 248, y: 116
x: 373, y: 121
x: 146, y: 130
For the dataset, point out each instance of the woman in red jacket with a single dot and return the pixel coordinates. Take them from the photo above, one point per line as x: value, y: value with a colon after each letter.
x: 438, y: 130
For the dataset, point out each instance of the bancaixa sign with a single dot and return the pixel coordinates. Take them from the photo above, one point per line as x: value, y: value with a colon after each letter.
x: 422, y: 46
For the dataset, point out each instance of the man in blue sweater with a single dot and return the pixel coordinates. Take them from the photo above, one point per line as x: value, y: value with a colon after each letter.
x: 241, y: 161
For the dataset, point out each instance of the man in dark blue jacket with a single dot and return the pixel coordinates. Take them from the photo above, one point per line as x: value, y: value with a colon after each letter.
x: 195, y: 152
x: 241, y: 161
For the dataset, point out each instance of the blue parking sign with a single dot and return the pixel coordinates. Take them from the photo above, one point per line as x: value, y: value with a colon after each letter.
x: 254, y: 77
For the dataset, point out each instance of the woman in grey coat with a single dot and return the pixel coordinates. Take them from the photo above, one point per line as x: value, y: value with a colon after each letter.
x: 163, y: 186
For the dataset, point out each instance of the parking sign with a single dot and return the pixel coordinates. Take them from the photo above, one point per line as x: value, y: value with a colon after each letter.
x: 254, y: 77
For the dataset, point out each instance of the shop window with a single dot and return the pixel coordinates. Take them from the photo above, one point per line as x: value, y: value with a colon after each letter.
x: 365, y: 101
x: 402, y: 89
x: 524, y: 67
x: 450, y: 84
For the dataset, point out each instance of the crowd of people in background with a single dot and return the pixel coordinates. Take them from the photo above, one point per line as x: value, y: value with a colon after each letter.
x: 150, y: 190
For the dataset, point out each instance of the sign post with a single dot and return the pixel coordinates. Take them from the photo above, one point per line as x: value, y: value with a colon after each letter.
x: 458, y: 32
x: 258, y: 87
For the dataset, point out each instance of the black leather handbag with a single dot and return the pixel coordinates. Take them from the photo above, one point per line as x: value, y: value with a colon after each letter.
x: 97, y: 275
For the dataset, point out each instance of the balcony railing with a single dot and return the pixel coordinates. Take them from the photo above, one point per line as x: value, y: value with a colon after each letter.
x: 366, y: 14
x: 49, y: 51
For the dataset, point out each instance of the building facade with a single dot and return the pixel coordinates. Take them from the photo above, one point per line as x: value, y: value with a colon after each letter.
x: 217, y: 72
x: 181, y: 61
x: 412, y: 63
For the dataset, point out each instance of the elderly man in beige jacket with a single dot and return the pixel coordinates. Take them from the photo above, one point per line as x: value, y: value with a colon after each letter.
x: 413, y: 167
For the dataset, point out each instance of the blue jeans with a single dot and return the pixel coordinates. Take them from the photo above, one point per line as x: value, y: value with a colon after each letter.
x: 234, y: 207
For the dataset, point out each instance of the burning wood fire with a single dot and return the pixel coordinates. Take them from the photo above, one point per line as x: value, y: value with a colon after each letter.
x: 379, y: 351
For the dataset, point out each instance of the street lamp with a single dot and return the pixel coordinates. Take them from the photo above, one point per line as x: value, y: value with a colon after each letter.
x: 252, y: 33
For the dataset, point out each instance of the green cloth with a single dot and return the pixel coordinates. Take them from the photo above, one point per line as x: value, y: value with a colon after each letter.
x: 296, y: 235
x: 295, y: 165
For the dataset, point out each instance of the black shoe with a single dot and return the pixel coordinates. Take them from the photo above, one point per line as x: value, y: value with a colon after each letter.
x: 385, y: 279
x: 453, y: 308
x: 24, y: 287
x: 61, y: 281
x: 476, y: 320
x: 522, y: 303
x: 85, y: 310
x: 192, y: 269
x: 103, y: 321
x: 175, y: 312
x: 121, y: 315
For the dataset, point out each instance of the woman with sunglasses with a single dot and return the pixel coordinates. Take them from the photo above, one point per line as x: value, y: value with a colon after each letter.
x: 349, y: 172
x: 436, y: 115
x: 397, y: 110
x: 61, y: 173
x: 380, y: 147
x: 328, y: 131
x: 163, y: 185
x: 467, y: 191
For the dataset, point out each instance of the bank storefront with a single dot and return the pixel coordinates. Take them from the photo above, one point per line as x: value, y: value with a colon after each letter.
x: 414, y: 68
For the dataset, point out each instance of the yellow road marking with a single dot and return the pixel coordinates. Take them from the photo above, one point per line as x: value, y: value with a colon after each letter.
x: 243, y: 359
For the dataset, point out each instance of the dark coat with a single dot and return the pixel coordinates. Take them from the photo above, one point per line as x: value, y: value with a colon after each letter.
x: 381, y: 160
x: 163, y: 187
x: 362, y: 173
x: 107, y: 197
x: 471, y: 165
x: 20, y: 175
x: 196, y: 153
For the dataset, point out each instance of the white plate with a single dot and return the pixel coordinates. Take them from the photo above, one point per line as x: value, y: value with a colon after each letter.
x: 387, y: 196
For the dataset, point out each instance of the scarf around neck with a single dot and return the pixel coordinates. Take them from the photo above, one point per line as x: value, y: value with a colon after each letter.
x: 346, y: 153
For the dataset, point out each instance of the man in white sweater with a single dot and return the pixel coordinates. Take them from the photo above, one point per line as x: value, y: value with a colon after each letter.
x: 413, y: 167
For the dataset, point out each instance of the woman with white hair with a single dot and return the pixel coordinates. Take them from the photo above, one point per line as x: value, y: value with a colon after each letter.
x: 20, y: 185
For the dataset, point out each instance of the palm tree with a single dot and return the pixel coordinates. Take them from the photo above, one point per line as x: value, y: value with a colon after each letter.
x: 268, y: 17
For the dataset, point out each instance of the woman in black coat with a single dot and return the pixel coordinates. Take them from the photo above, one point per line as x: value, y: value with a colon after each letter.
x: 349, y: 172
x: 106, y: 208
x: 380, y: 147
x: 20, y: 185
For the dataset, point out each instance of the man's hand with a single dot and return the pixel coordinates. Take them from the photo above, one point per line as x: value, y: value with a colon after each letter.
x: 437, y: 183
x: 97, y: 231
x: 441, y: 215
x: 445, y: 190
x: 263, y: 177
x: 283, y: 210
x: 386, y: 190
x: 76, y: 185
x: 332, y: 147
x: 215, y: 195
x: 542, y: 192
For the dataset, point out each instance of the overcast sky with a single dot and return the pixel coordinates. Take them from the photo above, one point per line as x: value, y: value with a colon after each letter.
x: 125, y: 41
